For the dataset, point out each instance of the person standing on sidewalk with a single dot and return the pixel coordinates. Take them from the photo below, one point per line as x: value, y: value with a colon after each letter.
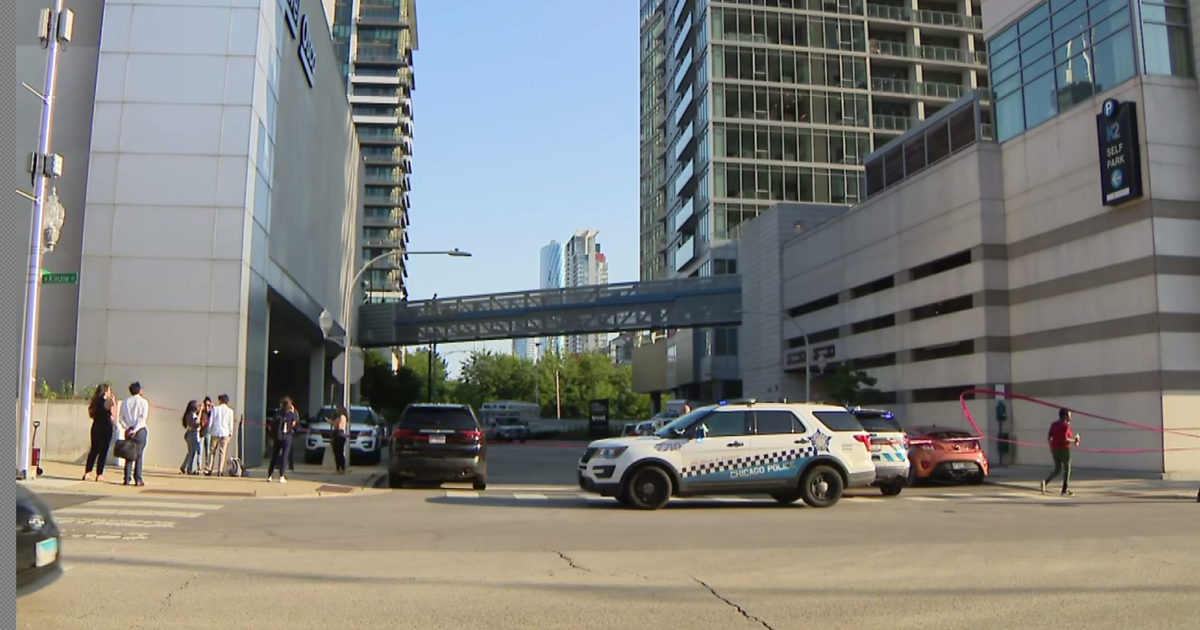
x: 132, y: 422
x: 338, y: 430
x: 191, y: 436
x: 283, y: 428
x: 1061, y: 439
x: 220, y: 432
x: 103, y: 424
x: 206, y: 408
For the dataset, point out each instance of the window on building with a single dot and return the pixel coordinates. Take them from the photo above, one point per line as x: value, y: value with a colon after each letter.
x: 1058, y: 55
x: 1166, y: 38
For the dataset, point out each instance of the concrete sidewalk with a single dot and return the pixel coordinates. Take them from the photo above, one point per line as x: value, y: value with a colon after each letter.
x: 304, y: 482
x: 1116, y: 483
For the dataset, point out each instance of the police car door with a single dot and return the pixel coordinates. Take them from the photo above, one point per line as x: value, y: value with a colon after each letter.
x: 718, y: 461
x: 779, y: 448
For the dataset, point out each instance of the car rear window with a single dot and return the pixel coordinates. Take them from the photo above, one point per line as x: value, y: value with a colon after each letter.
x: 433, y: 418
x: 878, y: 423
x: 949, y: 434
x: 841, y: 421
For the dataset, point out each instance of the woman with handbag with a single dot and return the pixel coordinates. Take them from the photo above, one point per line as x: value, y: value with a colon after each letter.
x: 191, y: 435
x: 101, y: 411
x: 337, y: 436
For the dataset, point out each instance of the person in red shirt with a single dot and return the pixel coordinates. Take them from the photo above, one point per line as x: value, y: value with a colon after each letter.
x: 1061, y: 439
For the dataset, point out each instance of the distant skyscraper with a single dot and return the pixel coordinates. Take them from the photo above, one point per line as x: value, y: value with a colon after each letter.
x: 525, y: 349
x: 584, y: 266
x: 550, y: 276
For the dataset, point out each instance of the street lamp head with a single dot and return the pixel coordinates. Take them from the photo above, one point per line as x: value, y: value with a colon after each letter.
x: 325, y: 320
x: 458, y: 253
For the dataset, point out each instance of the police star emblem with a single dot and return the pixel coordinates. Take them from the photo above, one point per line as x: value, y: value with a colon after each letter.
x: 820, y: 442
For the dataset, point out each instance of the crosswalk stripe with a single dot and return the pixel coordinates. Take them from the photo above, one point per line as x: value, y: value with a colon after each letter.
x: 105, y: 522
x: 924, y: 498
x: 732, y: 499
x: 528, y: 496
x: 156, y: 504
x: 593, y: 497
x: 106, y: 536
x: 462, y: 494
x: 121, y: 512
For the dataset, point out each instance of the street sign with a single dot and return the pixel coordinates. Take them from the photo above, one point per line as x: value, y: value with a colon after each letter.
x: 598, y: 419
x: 1120, y: 152
x: 59, y: 278
x: 357, y: 366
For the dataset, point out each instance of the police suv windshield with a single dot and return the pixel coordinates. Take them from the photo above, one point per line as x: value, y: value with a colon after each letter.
x: 681, y: 423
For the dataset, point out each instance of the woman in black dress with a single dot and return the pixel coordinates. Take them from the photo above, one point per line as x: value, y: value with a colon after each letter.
x: 101, y: 410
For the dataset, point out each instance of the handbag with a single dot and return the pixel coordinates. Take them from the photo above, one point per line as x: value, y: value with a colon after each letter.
x: 126, y: 449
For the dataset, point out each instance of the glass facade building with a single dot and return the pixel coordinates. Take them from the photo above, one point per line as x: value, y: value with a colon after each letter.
x: 1063, y: 52
x: 779, y: 100
x: 376, y: 40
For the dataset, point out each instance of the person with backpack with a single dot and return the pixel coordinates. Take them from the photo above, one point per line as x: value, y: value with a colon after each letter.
x: 282, y: 428
x: 191, y: 435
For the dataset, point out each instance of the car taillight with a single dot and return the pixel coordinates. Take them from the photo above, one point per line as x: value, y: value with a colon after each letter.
x: 475, y: 434
x: 865, y: 440
x: 400, y: 434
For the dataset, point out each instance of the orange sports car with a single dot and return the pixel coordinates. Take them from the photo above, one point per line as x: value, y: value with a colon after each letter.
x: 945, y: 453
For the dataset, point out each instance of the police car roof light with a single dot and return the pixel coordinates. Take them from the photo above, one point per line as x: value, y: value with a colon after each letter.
x: 738, y: 401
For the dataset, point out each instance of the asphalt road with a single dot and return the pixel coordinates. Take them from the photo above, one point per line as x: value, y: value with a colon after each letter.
x: 526, y: 554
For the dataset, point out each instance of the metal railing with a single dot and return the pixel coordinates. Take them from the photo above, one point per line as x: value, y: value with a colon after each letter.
x: 918, y: 88
x: 923, y: 16
x: 926, y: 53
x: 890, y: 122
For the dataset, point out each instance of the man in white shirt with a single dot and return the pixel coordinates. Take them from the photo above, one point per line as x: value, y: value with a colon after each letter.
x: 131, y: 419
x: 220, y: 432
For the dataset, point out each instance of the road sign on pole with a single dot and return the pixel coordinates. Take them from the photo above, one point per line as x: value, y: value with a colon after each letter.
x: 59, y: 278
x: 357, y: 366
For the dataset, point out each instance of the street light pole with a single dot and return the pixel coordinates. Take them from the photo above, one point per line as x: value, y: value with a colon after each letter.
x: 347, y: 339
x: 783, y: 349
x: 56, y: 30
x: 537, y: 376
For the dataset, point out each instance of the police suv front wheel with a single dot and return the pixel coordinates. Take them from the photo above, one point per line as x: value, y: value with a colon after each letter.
x: 821, y: 487
x: 648, y: 488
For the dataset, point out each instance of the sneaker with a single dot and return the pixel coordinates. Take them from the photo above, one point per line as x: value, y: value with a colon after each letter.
x: 270, y: 479
x: 1068, y: 493
x: 1043, y: 487
x: 283, y: 480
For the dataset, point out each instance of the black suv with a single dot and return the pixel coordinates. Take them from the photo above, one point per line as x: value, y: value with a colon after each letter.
x: 438, y: 443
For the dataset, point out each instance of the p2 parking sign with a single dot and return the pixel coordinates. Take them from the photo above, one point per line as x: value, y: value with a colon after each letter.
x: 1120, y: 152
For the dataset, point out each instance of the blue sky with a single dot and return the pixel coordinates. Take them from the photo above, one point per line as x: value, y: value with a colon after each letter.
x: 525, y: 130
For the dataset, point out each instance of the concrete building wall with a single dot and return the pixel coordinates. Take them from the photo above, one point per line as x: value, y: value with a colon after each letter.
x: 213, y: 164
x: 71, y: 138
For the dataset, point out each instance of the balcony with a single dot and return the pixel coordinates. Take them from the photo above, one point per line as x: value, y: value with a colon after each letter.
x: 928, y: 18
x: 383, y: 221
x: 395, y: 157
x: 947, y: 91
x: 382, y: 17
x: 390, y: 58
x: 384, y: 242
x: 381, y: 135
x: 887, y: 122
x: 941, y: 54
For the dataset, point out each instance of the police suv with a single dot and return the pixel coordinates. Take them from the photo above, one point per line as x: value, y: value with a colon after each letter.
x: 889, y: 449
x: 789, y: 451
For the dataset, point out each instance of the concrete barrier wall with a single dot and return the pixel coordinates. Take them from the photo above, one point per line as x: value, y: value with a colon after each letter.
x: 65, y: 436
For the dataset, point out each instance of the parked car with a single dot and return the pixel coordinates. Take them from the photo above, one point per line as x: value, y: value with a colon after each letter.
x: 946, y: 453
x: 440, y: 444
x: 39, y: 560
x: 790, y: 452
x: 629, y: 430
x: 366, y: 435
x: 889, y: 449
x: 507, y: 430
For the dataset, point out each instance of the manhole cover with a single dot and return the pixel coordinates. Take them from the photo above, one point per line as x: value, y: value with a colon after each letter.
x: 338, y: 489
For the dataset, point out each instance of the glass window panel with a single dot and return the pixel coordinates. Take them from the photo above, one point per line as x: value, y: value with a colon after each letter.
x: 1012, y: 68
x: 1035, y: 52
x: 1003, y: 39
x: 1071, y: 13
x: 1160, y: 13
x: 1034, y: 19
x: 1000, y: 90
x: 1038, y: 68
x: 1040, y: 100
x: 1107, y: 8
x: 1035, y: 35
x: 1058, y: 5
x: 1168, y: 50
x: 1074, y: 80
x: 1114, y: 60
x: 1106, y: 27
x: 1010, y: 117
x: 1069, y: 46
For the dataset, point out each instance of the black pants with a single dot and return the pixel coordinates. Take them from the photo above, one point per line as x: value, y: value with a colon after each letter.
x: 98, y: 454
x: 280, y: 455
x: 339, y: 451
x: 136, y: 466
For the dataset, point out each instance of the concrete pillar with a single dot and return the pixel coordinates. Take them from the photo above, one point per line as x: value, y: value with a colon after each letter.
x: 316, y: 379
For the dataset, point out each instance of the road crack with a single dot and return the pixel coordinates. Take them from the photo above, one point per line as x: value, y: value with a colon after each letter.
x: 741, y: 611
x: 572, y: 563
x: 167, y: 601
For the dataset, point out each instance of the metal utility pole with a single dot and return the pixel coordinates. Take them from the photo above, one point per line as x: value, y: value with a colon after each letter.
x: 54, y: 30
x: 537, y: 377
x: 432, y: 353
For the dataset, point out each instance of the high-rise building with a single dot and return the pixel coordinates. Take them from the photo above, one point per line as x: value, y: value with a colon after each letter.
x: 765, y: 104
x: 584, y: 265
x: 375, y: 46
x: 525, y: 348
x: 550, y: 276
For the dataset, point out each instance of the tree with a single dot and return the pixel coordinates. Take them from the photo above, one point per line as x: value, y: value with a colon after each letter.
x: 488, y: 376
x: 418, y: 363
x: 852, y: 386
x: 386, y: 391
